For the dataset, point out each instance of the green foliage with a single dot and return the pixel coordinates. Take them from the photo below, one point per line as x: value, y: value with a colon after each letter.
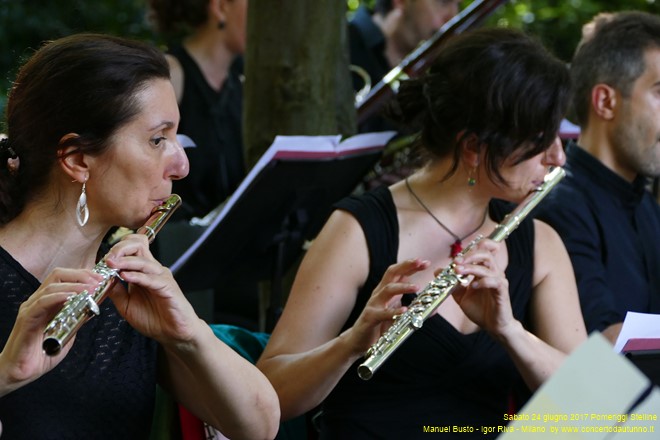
x: 25, y: 24
x: 558, y: 23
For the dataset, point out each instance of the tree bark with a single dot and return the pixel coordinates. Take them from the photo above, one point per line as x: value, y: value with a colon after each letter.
x: 297, y: 78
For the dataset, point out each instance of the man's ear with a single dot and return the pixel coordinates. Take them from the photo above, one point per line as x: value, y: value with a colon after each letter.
x: 604, y: 101
x: 72, y: 161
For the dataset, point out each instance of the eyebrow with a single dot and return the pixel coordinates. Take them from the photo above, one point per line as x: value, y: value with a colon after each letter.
x: 165, y: 124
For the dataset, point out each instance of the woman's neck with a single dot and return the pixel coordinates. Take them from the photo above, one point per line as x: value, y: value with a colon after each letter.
x: 455, y: 190
x: 211, y: 55
x: 460, y: 207
x: 41, y: 240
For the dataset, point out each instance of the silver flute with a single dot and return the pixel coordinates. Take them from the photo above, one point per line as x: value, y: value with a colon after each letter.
x: 79, y: 308
x: 434, y: 294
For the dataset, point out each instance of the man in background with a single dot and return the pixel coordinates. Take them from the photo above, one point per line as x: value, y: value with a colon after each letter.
x: 381, y: 39
x: 603, y: 210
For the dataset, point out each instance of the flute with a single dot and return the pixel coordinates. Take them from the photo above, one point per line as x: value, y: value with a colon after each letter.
x: 78, y: 309
x: 434, y: 294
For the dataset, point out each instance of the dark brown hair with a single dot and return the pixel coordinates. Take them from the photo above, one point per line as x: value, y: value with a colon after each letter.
x: 497, y: 84
x: 613, y: 54
x: 84, y: 84
x: 172, y: 17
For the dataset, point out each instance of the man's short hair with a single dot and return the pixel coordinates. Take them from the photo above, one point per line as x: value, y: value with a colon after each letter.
x: 613, y: 53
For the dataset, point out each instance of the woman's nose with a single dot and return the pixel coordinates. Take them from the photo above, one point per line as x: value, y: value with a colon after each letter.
x: 179, y: 166
x: 554, y: 155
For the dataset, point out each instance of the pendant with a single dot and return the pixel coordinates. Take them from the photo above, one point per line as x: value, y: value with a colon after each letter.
x: 456, y: 248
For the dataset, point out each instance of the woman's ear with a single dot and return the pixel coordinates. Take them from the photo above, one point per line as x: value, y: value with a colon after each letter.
x: 72, y: 161
x: 471, y: 149
x: 217, y: 12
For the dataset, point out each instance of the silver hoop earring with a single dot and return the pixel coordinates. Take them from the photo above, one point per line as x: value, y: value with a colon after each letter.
x: 82, y: 211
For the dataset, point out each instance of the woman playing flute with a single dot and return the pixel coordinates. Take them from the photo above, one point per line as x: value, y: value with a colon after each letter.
x: 488, y: 114
x: 91, y: 125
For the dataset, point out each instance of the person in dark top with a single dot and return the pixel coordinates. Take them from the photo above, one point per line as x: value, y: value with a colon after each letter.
x: 495, y: 339
x: 91, y: 144
x: 609, y: 221
x: 207, y: 74
x: 380, y: 39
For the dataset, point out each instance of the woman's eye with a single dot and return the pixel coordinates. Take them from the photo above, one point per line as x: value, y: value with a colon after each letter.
x: 157, y: 140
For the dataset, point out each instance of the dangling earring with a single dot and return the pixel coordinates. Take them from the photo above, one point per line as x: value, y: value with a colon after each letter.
x: 471, y: 179
x: 221, y: 24
x: 82, y: 211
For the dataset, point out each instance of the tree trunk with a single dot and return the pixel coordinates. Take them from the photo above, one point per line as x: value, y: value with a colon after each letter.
x: 297, y: 78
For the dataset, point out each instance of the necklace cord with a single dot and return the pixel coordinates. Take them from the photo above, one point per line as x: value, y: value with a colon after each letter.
x: 437, y: 220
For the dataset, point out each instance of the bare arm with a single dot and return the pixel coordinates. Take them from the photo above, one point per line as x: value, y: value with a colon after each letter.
x: 203, y: 373
x: 220, y: 387
x: 612, y: 332
x: 555, y: 312
x: 176, y: 76
x: 306, y: 355
x: 554, y: 307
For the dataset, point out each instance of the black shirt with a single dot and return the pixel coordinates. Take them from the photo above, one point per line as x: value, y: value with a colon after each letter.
x: 439, y: 376
x: 103, y: 389
x: 367, y: 47
x: 367, y: 50
x: 611, y: 229
x: 213, y: 120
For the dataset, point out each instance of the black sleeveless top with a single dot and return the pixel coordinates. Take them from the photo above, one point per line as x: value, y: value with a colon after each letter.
x: 213, y: 120
x: 439, y: 378
x: 103, y: 389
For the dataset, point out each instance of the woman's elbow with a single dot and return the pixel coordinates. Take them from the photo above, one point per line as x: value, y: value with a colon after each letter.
x: 268, y: 413
x: 258, y: 418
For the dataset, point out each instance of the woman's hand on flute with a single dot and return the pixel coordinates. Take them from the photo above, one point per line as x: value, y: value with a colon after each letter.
x: 202, y: 372
x: 385, y: 302
x: 485, y: 300
x: 23, y: 360
x: 152, y: 303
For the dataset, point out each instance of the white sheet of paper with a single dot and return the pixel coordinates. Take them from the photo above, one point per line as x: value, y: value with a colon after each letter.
x: 638, y: 325
x: 592, y: 390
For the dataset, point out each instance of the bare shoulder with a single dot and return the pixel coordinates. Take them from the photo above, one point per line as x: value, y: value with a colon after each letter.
x: 549, y: 250
x: 340, y: 247
x: 176, y: 75
x: 325, y: 287
x: 545, y: 236
x: 554, y: 307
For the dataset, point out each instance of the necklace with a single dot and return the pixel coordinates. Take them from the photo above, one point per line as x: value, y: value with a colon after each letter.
x: 457, y: 246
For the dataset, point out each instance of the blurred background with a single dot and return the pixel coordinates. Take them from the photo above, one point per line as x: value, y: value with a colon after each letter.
x: 25, y: 24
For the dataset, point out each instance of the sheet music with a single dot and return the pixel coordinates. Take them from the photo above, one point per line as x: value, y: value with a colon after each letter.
x: 589, y: 398
x: 301, y: 146
x: 638, y: 325
x: 291, y: 147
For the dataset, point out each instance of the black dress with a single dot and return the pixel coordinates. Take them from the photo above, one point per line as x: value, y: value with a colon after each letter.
x: 213, y: 120
x: 103, y: 389
x: 439, y: 378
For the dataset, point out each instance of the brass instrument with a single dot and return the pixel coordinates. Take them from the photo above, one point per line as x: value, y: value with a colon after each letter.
x: 80, y: 308
x: 422, y: 57
x: 434, y: 294
x: 366, y: 81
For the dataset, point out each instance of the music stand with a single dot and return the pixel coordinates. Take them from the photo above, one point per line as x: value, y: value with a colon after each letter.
x: 263, y: 232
